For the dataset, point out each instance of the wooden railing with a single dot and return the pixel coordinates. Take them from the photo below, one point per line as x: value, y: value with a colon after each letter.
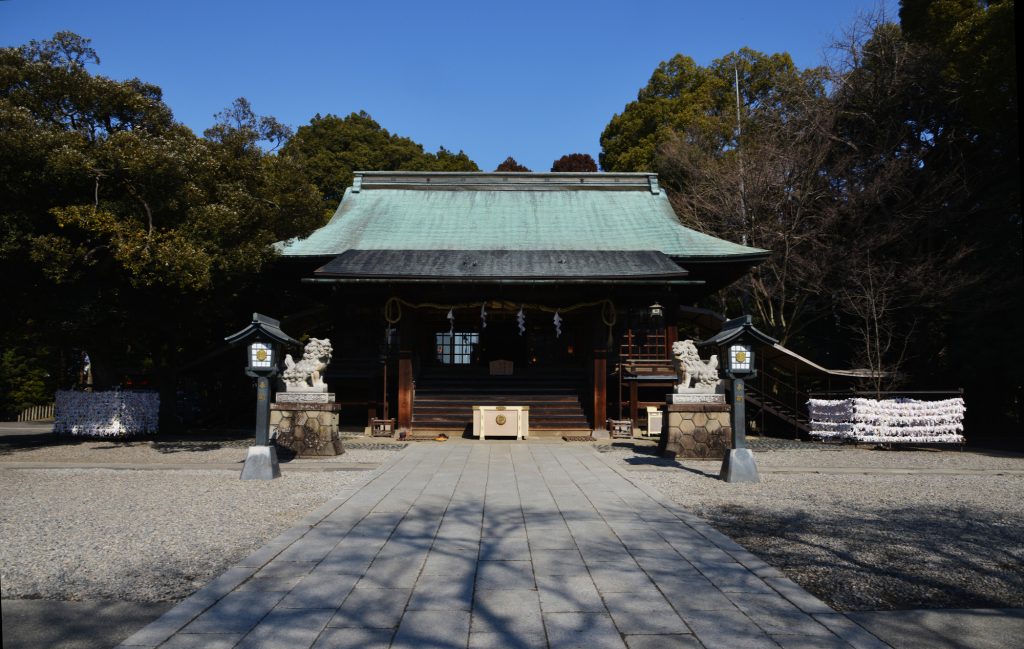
x: 640, y: 346
x: 37, y: 413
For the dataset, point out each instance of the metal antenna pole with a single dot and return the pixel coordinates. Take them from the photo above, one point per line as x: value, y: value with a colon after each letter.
x: 739, y: 155
x: 745, y: 295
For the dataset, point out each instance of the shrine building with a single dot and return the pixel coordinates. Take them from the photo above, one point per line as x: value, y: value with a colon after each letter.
x: 559, y: 291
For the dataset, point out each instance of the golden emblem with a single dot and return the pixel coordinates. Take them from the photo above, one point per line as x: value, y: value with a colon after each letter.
x: 261, y: 355
x: 741, y: 357
x: 500, y: 420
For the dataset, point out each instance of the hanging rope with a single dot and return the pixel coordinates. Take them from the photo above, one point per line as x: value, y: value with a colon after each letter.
x: 608, y: 314
x: 393, y: 310
x: 608, y: 317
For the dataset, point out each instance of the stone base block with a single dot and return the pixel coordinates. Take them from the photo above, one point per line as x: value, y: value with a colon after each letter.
x: 678, y: 398
x: 739, y: 466
x: 261, y: 464
x: 309, y: 429
x: 695, y: 430
x: 304, y: 397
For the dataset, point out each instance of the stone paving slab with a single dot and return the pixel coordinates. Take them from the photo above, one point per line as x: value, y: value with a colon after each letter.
x: 184, y: 466
x: 503, y: 544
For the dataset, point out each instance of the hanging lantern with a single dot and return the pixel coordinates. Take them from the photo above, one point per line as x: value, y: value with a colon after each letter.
x: 656, y: 312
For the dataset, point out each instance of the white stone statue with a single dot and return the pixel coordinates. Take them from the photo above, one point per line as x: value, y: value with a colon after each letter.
x: 695, y: 375
x: 305, y: 374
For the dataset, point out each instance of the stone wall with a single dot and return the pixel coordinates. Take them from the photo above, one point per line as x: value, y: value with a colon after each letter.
x: 308, y: 429
x: 696, y: 430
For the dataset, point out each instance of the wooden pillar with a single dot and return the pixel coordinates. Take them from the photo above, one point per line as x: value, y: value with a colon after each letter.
x: 371, y: 401
x: 671, y: 336
x: 796, y: 399
x: 407, y: 328
x: 405, y: 387
x: 634, y: 403
x: 600, y: 382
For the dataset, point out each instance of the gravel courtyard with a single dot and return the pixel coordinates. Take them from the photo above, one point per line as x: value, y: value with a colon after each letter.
x: 871, y: 529
x: 147, y: 535
x: 862, y: 529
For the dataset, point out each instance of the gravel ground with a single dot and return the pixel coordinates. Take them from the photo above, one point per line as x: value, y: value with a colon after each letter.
x: 143, y: 535
x: 181, y: 451
x: 873, y: 541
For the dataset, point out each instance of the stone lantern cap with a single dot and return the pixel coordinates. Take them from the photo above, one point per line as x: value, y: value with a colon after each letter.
x: 738, y: 329
x: 262, y: 328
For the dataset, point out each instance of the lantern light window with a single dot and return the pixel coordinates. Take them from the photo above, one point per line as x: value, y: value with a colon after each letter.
x: 740, y: 358
x: 261, y: 356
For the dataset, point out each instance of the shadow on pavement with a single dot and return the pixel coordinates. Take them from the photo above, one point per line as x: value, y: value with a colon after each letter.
x: 96, y: 624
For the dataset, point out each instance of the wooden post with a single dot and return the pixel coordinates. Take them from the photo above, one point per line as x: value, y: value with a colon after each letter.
x: 600, y: 387
x: 405, y: 390
x: 796, y: 400
x: 671, y: 336
x: 405, y: 387
x: 634, y: 402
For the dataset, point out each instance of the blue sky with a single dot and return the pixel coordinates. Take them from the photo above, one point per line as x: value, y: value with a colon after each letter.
x: 534, y: 80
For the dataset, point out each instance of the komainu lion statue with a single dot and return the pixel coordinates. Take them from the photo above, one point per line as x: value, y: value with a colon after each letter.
x: 304, y: 375
x: 695, y: 375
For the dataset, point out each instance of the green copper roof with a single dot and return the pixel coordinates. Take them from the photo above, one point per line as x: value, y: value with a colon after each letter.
x: 510, y: 211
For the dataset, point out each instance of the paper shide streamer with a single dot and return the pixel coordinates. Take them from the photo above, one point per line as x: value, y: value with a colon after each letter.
x: 885, y: 421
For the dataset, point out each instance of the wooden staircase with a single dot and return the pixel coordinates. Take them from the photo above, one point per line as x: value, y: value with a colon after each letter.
x: 444, y: 398
x: 776, y: 408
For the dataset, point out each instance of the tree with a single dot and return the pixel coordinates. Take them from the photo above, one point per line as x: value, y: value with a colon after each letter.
x: 510, y: 164
x: 807, y: 173
x: 886, y: 185
x: 125, y: 234
x: 742, y: 184
x: 445, y: 160
x: 972, y: 46
x: 330, y: 148
x: 682, y: 96
x: 575, y: 162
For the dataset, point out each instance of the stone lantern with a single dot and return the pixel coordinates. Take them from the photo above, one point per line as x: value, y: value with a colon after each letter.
x: 264, y: 338
x: 735, y: 344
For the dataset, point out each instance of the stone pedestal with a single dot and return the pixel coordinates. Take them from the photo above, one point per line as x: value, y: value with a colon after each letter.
x: 696, y: 430
x: 309, y: 429
x: 261, y: 464
x: 739, y: 466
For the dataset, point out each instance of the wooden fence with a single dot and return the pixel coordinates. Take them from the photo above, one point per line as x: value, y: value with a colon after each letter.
x: 37, y: 413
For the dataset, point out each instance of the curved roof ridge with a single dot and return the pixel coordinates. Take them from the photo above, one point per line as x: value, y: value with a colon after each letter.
x: 504, y: 180
x: 489, y: 211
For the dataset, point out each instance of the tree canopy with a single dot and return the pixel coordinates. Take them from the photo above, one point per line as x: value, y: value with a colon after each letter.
x: 579, y: 162
x: 886, y: 185
x: 510, y: 164
x: 330, y: 148
x: 683, y: 97
x: 117, y: 219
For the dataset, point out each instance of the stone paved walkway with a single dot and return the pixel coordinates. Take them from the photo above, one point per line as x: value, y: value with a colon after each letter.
x: 502, y: 545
